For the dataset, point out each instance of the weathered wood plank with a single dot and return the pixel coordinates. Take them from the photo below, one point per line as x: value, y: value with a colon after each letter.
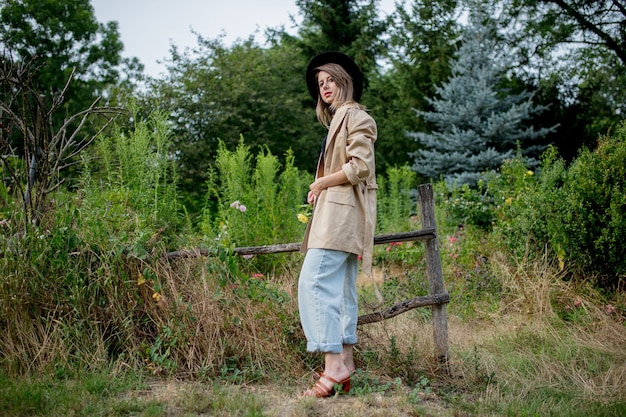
x: 423, y: 234
x: 435, y: 276
x: 423, y: 301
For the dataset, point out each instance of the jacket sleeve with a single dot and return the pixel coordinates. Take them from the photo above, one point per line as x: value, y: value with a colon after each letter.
x: 362, y: 133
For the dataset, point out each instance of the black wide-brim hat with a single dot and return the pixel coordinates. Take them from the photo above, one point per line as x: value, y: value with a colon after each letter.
x: 334, y: 57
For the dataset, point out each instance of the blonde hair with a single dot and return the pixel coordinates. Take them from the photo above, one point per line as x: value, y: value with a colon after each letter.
x: 345, y: 92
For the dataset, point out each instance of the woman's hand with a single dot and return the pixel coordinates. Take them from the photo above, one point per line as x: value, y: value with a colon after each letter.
x: 316, y: 189
x: 323, y: 183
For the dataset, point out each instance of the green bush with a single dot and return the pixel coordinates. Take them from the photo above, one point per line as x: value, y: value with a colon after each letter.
x: 481, y: 205
x: 468, y: 205
x: 592, y: 225
x: 577, y: 213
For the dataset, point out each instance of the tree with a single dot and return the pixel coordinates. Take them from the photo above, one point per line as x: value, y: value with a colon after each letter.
x: 477, y: 124
x: 585, y: 22
x: 341, y: 25
x: 575, y: 50
x: 587, y: 99
x: 422, y: 42
x: 66, y: 38
x: 214, y: 93
x: 63, y: 40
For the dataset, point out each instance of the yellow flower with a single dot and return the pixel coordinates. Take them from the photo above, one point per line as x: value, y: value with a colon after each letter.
x: 303, y: 218
x: 141, y: 280
x: 529, y: 173
x: 156, y: 296
x: 509, y: 200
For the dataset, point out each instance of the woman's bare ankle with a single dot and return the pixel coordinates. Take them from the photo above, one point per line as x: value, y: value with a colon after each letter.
x: 348, y: 358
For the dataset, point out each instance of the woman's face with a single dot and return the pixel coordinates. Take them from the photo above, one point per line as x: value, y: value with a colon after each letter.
x: 328, y: 88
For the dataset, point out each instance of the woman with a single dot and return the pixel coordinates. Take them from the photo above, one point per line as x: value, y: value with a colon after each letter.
x: 343, y: 220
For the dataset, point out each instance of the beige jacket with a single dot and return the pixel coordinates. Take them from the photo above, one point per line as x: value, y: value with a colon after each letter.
x: 344, y: 217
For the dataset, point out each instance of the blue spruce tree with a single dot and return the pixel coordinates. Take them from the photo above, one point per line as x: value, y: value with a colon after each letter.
x: 477, y: 125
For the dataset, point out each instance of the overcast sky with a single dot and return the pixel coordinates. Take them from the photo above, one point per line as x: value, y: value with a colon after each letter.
x: 149, y: 27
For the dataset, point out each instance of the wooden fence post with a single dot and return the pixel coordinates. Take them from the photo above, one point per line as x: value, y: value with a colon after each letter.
x: 435, y: 275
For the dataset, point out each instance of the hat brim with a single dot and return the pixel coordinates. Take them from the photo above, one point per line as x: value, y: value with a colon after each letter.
x: 334, y: 57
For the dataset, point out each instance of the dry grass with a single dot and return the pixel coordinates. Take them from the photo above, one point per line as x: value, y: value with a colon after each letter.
x: 492, y: 346
x: 225, y: 322
x: 240, y: 352
x: 280, y: 399
x: 478, y: 348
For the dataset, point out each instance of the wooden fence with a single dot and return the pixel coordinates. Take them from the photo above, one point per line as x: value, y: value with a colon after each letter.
x: 437, y: 297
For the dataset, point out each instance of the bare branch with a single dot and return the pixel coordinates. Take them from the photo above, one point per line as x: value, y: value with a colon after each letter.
x: 94, y: 136
x: 60, y: 137
x: 620, y: 7
x: 58, y: 100
x: 592, y: 27
x: 46, y: 149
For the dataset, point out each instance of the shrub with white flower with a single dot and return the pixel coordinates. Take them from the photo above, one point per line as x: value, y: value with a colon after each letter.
x: 238, y: 206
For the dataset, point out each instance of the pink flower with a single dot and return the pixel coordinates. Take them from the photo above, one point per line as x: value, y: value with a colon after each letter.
x: 578, y: 302
x: 392, y: 244
x: 242, y: 208
x: 235, y: 204
x: 257, y: 275
x: 451, y: 239
x: 610, y: 309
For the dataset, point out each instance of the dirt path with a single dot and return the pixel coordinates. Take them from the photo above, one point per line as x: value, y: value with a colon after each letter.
x: 273, y: 400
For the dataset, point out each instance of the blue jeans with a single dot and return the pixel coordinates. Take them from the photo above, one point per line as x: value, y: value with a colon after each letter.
x: 327, y: 299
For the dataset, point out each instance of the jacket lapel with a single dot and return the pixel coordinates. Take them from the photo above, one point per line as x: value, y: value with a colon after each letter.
x: 333, y: 130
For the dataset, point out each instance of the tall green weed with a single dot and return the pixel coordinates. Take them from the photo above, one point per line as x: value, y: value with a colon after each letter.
x: 253, y: 201
x: 397, y: 209
x: 127, y: 192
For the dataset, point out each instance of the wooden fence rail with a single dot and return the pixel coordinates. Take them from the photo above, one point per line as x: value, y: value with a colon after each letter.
x: 437, y: 297
x: 422, y: 234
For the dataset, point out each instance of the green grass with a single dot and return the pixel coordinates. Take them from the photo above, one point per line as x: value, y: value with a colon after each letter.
x: 88, y: 394
x: 107, y: 394
x: 542, y: 370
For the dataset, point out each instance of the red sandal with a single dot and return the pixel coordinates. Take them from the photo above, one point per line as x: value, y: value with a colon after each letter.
x: 320, y: 390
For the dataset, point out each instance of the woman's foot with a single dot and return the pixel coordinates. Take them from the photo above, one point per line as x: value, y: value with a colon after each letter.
x: 327, y: 386
x: 335, y: 372
x: 347, y: 360
x: 351, y: 369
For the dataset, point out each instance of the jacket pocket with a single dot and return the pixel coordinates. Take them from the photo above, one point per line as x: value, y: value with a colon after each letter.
x: 342, y: 194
